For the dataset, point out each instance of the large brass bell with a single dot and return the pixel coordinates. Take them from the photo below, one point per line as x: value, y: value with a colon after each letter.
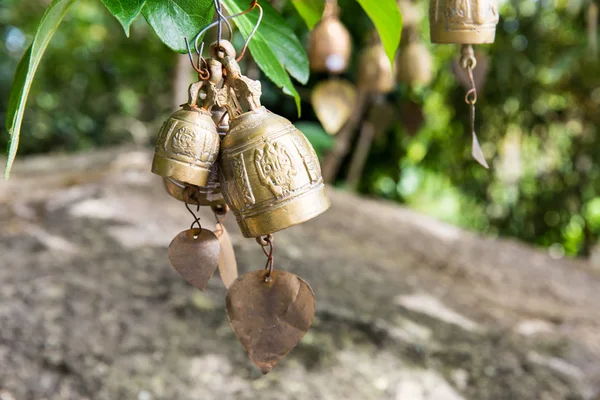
x: 375, y: 72
x: 330, y: 43
x: 270, y: 174
x: 187, y: 147
x: 464, y: 21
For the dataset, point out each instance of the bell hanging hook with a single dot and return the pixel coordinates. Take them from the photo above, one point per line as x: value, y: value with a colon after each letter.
x: 254, y: 4
x: 221, y: 18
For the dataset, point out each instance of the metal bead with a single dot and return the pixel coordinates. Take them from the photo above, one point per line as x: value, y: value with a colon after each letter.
x: 270, y: 174
x: 463, y: 22
x: 187, y: 147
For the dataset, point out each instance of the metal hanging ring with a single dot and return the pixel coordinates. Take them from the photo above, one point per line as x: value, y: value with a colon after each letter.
x: 196, y: 218
x: 269, y: 265
x: 202, y: 67
x: 253, y: 5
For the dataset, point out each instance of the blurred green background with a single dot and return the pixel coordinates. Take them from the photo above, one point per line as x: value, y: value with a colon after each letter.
x: 537, y: 117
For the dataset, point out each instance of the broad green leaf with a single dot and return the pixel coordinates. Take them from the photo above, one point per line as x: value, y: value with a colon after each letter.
x: 274, y: 31
x: 174, y: 20
x: 386, y: 17
x: 275, y: 47
x: 311, y: 11
x: 125, y: 11
x: 26, y: 71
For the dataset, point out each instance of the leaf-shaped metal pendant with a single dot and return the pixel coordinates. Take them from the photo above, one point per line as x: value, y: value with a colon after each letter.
x: 476, y: 151
x: 270, y: 318
x: 195, y: 255
x: 227, y: 263
x: 334, y: 101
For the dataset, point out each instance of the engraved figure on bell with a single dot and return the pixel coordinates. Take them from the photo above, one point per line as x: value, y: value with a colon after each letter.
x: 457, y: 9
x: 275, y: 168
x: 183, y: 141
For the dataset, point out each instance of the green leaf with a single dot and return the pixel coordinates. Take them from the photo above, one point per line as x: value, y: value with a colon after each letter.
x: 275, y: 47
x: 174, y: 20
x: 311, y: 11
x: 386, y: 17
x: 125, y: 11
x: 26, y: 71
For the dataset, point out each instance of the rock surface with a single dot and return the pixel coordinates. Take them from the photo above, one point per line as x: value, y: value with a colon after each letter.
x: 408, y: 308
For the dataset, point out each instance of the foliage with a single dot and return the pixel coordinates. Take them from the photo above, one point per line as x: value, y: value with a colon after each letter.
x: 275, y: 48
x: 537, y: 116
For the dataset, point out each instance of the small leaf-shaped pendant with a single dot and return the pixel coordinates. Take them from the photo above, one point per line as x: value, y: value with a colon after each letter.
x: 477, y: 153
x: 195, y: 255
x: 270, y: 318
x: 227, y: 263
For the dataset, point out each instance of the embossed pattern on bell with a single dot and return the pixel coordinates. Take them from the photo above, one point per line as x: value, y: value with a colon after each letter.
x: 270, y: 174
x: 187, y: 147
x: 463, y: 21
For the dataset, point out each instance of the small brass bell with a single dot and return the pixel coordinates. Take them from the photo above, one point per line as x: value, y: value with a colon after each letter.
x: 414, y: 64
x: 270, y: 174
x: 464, y: 21
x: 375, y: 72
x: 330, y: 43
x: 187, y: 147
x: 209, y: 195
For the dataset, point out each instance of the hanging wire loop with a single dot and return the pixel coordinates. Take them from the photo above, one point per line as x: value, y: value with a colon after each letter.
x: 268, y: 246
x: 254, y: 4
x: 196, y: 218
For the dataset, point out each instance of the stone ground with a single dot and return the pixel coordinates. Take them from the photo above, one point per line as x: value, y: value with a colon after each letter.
x: 408, y: 308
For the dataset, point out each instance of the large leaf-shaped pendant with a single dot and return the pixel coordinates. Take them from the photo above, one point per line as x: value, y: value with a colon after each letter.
x: 270, y: 316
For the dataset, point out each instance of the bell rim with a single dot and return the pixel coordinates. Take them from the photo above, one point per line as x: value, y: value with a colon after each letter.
x: 318, y: 196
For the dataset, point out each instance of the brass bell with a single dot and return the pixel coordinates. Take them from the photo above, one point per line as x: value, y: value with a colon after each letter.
x: 187, y: 147
x: 464, y: 21
x: 209, y: 195
x: 330, y: 43
x: 414, y: 64
x: 375, y: 72
x: 270, y: 174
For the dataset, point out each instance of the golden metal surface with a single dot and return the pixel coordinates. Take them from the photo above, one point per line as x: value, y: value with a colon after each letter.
x: 228, y: 269
x: 187, y: 147
x: 270, y: 174
x: 330, y: 44
x: 463, y: 21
